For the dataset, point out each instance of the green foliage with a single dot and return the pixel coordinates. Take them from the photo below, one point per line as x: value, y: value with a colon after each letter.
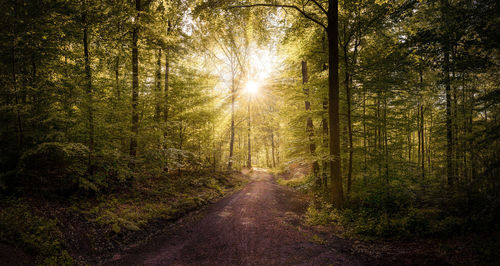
x: 112, y: 215
x: 408, y: 223
x: 302, y: 183
x: 419, y: 104
x: 53, y: 167
x: 159, y: 198
x: 38, y: 235
x: 421, y: 167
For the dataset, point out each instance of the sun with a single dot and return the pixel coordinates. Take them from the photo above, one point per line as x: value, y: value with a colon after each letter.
x: 252, y: 87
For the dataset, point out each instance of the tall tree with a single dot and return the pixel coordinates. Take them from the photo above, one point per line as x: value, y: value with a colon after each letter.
x: 88, y: 86
x: 135, y: 80
x: 331, y: 27
x: 309, y: 124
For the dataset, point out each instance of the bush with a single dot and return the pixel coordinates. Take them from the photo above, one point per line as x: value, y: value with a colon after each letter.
x: 110, y: 173
x: 53, y: 167
x: 36, y: 235
x: 407, y: 223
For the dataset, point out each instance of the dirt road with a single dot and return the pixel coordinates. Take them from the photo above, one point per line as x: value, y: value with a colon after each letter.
x: 258, y: 225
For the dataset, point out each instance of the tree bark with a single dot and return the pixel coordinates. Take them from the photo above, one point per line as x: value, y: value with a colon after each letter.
x: 365, y: 141
x: 333, y: 107
x: 272, y: 148
x: 310, y: 125
x: 249, y: 158
x: 419, y: 142
x: 446, y: 72
x: 20, y: 134
x: 88, y: 91
x: 166, y: 106
x: 135, y: 82
x: 231, y: 140
x: 423, y: 140
x: 324, y: 123
x: 386, y: 146
x: 349, y: 123
x: 117, y: 78
x: 266, y: 147
x: 158, y: 88
x: 325, y: 145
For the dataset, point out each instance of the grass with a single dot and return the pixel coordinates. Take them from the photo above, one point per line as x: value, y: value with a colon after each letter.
x: 37, y: 235
x: 395, y: 217
x: 33, y: 224
x: 302, y: 183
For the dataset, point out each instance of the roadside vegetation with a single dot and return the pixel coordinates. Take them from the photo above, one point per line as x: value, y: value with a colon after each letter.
x: 117, y: 114
x: 86, y: 229
x: 401, y: 218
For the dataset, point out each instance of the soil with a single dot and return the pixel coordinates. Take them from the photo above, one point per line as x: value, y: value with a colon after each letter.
x: 262, y: 224
x: 13, y: 256
x: 259, y: 225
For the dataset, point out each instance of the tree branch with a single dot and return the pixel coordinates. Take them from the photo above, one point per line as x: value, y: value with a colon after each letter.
x: 284, y: 6
x: 320, y: 7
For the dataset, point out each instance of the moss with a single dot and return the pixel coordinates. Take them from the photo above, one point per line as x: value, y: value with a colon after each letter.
x: 37, y: 235
x: 317, y: 239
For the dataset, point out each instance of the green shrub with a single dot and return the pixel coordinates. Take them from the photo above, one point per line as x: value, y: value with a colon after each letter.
x: 110, y: 172
x: 36, y: 235
x: 53, y: 167
x: 302, y: 183
x: 407, y: 223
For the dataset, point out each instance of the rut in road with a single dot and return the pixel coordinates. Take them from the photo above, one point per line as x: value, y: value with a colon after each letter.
x: 259, y: 225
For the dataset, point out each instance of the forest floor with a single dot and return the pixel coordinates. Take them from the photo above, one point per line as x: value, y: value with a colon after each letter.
x: 87, y: 230
x: 262, y: 225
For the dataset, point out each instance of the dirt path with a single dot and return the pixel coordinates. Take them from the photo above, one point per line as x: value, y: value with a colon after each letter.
x: 258, y: 225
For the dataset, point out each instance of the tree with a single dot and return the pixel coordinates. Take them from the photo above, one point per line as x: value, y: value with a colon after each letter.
x: 331, y: 28
x: 135, y: 80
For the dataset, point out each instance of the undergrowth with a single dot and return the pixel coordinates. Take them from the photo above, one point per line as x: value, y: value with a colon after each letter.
x: 150, y: 199
x: 37, y: 235
x: 393, y: 212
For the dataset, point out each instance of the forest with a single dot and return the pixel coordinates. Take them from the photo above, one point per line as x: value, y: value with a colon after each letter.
x: 249, y: 132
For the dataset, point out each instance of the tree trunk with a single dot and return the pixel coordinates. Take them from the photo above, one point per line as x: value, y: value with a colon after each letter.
x: 117, y: 78
x: 167, y: 77
x: 272, y: 148
x: 88, y: 91
x: 423, y: 140
x: 249, y: 158
x: 278, y: 152
x: 158, y: 88
x: 309, y: 124
x: 429, y: 144
x: 349, y: 123
x: 449, y: 132
x: 325, y: 145
x: 266, y: 147
x: 418, y: 136
x: 410, y: 144
x: 386, y: 146
x: 365, y: 147
x: 457, y: 148
x: 333, y: 107
x: 324, y: 122
x: 20, y: 134
x: 446, y: 72
x: 135, y: 83
x: 378, y: 140
x: 166, y: 106
x: 231, y: 140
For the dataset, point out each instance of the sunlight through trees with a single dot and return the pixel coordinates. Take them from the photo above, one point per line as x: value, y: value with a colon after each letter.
x: 391, y: 107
